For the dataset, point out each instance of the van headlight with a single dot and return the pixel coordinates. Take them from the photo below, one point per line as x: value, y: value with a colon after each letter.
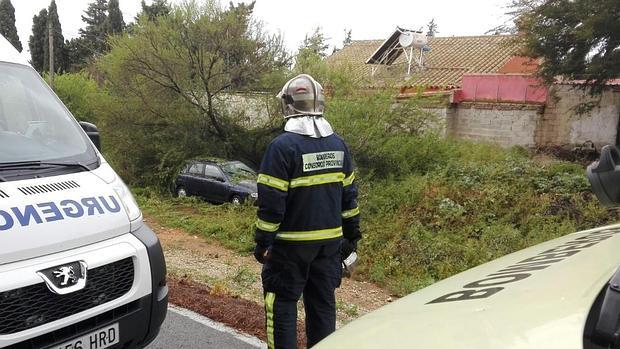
x: 127, y: 199
x: 107, y: 174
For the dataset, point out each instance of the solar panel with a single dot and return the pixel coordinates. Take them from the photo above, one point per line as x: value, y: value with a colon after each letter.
x: 389, y: 50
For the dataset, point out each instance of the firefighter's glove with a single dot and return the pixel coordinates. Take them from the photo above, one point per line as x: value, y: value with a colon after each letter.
x: 347, y: 248
x: 262, y: 254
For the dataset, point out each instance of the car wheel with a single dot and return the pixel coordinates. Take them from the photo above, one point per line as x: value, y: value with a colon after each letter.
x: 236, y: 199
x: 181, y: 193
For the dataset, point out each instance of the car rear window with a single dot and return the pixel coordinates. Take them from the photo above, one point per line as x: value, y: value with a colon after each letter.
x: 197, y: 169
x: 212, y: 171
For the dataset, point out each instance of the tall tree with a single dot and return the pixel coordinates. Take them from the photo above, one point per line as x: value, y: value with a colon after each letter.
x: 347, y: 37
x: 576, y: 39
x: 516, y: 9
x: 102, y: 18
x: 157, y: 9
x: 115, y: 22
x: 95, y: 33
x: 316, y: 43
x: 180, y: 68
x: 58, y: 39
x: 77, y: 53
x: 7, y: 24
x: 37, y: 40
x: 311, y: 52
x: 431, y: 28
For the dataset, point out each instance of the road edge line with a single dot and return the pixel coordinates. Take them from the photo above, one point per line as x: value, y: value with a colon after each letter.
x: 218, y: 326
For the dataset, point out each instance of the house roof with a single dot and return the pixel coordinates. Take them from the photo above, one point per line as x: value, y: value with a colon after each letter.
x: 445, y: 64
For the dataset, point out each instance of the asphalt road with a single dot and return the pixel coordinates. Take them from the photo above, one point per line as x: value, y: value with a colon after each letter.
x: 188, y: 330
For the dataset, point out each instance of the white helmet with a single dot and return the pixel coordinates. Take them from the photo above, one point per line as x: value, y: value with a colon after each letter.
x: 302, y: 95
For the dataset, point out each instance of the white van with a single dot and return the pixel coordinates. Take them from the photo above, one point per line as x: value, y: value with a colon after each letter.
x: 561, y: 294
x: 78, y: 267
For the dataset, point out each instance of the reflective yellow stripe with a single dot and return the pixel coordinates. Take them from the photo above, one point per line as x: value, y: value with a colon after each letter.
x: 272, y: 182
x: 349, y: 180
x: 269, y: 300
x: 310, y: 235
x: 351, y: 213
x: 317, y: 179
x: 267, y: 226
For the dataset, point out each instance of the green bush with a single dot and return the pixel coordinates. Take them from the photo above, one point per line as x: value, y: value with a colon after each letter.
x: 388, y: 139
x: 82, y: 96
x: 147, y: 147
x: 476, y: 207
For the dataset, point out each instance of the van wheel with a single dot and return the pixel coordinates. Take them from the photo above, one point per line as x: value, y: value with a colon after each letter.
x: 181, y: 193
x: 236, y: 200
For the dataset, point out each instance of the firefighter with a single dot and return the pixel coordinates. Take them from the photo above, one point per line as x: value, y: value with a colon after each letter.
x: 308, y: 218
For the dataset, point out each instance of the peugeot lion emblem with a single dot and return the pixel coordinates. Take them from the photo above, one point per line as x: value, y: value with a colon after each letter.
x: 67, y: 274
x: 65, y: 278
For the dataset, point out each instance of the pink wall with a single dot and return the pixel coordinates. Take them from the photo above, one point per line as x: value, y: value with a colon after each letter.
x: 511, y: 88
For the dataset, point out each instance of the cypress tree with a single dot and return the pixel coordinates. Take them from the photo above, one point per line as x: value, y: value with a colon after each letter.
x: 116, y: 24
x: 95, y: 32
x: 77, y: 54
x: 7, y: 24
x: 157, y: 9
x: 38, y: 39
x: 59, y: 40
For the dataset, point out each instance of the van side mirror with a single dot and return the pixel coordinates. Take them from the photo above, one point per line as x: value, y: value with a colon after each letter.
x: 92, y: 132
x: 604, y: 176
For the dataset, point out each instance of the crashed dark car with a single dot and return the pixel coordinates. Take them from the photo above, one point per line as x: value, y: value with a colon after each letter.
x: 217, y: 181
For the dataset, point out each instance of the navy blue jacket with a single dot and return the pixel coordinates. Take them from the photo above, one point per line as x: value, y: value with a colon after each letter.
x: 306, y: 191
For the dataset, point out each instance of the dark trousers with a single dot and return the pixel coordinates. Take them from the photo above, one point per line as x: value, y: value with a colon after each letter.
x: 313, y: 270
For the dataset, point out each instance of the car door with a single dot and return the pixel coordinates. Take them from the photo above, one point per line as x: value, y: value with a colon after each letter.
x: 215, y: 185
x: 193, y: 178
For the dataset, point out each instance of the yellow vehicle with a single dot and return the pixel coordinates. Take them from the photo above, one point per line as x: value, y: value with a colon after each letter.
x: 563, y: 293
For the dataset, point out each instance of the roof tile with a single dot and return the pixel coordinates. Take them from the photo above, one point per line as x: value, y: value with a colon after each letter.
x: 445, y: 64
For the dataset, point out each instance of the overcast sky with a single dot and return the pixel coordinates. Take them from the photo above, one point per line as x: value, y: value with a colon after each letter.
x: 295, y: 18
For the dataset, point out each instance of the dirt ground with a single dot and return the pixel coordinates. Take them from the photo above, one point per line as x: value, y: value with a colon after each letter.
x: 241, y: 314
x: 225, y: 286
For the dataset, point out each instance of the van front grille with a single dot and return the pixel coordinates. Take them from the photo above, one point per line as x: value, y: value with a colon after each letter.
x: 71, y: 331
x: 3, y: 195
x: 36, y: 305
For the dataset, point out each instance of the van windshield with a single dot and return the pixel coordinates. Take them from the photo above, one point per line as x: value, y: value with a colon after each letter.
x: 34, y: 125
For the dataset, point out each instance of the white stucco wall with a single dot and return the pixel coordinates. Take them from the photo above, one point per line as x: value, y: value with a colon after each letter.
x: 563, y: 126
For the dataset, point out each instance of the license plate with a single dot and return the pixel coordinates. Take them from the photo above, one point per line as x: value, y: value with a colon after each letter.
x: 99, y: 339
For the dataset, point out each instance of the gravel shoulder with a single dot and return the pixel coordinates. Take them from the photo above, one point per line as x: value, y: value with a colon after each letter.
x: 194, y: 262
